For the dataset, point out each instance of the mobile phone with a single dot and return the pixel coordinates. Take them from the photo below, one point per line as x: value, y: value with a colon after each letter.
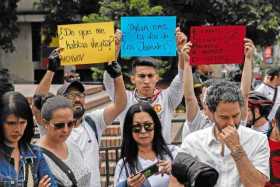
x: 149, y: 171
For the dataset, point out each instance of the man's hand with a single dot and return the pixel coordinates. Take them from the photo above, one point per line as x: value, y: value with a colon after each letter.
x: 181, y: 40
x: 229, y: 136
x: 114, y: 69
x: 54, y: 60
x: 118, y: 39
x: 185, y: 52
x: 136, y: 180
x: 249, y: 48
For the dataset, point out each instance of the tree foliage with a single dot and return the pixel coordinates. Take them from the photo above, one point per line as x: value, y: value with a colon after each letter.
x: 8, y: 26
x: 113, y: 10
x: 262, y: 17
x: 63, y: 12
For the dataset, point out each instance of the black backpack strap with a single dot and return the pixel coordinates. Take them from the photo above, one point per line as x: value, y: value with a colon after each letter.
x: 61, y: 165
x: 93, y: 126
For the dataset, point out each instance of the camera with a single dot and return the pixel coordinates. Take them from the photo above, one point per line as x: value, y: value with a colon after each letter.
x: 190, y: 172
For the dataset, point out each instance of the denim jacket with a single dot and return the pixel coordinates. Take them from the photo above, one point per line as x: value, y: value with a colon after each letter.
x: 29, y: 154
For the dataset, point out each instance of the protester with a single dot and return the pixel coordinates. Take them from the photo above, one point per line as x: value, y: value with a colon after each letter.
x: 90, y: 126
x: 57, y: 114
x: 22, y: 164
x: 259, y: 108
x: 239, y: 154
x: 197, y: 119
x: 274, y: 144
x: 142, y: 146
x: 144, y: 78
x: 270, y: 88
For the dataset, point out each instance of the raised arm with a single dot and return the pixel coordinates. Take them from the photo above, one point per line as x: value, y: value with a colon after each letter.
x: 247, y: 74
x: 120, y: 100
x: 45, y: 84
x: 175, y: 90
x: 108, y: 81
x: 190, y: 99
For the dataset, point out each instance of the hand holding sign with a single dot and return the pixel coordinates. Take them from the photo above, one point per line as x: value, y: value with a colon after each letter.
x: 87, y: 43
x: 181, y: 40
x: 217, y: 45
x: 249, y: 48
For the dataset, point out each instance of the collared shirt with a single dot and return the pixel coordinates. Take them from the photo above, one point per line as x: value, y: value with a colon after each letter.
x: 29, y: 154
x: 206, y: 148
x: 164, y: 104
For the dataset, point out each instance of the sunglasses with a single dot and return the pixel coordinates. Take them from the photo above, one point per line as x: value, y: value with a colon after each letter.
x: 62, y: 125
x: 137, y: 128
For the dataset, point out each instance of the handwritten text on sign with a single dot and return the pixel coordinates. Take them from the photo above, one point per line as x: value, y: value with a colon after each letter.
x: 148, y: 36
x: 217, y: 44
x: 87, y: 43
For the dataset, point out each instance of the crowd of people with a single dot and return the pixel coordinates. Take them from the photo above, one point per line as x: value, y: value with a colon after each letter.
x: 231, y: 136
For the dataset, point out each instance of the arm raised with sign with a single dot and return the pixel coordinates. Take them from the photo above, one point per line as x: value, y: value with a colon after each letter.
x: 246, y: 79
x: 175, y: 91
x: 113, y: 69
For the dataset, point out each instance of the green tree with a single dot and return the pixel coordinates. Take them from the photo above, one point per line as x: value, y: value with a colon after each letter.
x: 63, y: 12
x: 262, y: 17
x: 8, y: 26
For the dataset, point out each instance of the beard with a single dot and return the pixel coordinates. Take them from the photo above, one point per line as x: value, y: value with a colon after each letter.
x: 79, y: 111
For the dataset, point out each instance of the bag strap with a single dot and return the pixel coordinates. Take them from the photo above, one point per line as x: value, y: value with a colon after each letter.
x: 93, y: 126
x: 61, y: 165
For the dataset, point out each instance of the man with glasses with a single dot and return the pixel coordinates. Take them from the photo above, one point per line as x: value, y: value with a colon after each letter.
x: 89, y: 127
x: 144, y: 78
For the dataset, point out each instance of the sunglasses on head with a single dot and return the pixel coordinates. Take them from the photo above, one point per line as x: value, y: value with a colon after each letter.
x: 137, y: 128
x: 62, y: 125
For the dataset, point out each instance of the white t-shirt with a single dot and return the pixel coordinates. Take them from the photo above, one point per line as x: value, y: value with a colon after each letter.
x: 203, y: 146
x: 155, y: 180
x: 85, y: 138
x: 166, y: 102
x: 75, y: 161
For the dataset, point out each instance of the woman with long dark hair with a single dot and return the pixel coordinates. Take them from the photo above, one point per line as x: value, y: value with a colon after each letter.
x: 22, y: 164
x: 142, y: 146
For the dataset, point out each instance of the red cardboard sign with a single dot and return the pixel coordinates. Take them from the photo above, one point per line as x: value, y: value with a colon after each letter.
x: 217, y: 44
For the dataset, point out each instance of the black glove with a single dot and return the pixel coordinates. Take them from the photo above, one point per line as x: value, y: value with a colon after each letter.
x: 114, y: 69
x: 54, y: 60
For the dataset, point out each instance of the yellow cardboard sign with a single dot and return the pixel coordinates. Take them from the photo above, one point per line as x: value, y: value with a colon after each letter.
x: 88, y: 43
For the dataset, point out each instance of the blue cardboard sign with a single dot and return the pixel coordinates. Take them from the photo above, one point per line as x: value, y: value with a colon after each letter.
x: 148, y: 36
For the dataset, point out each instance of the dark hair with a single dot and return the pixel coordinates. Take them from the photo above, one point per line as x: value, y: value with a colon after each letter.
x: 15, y: 103
x: 129, y: 148
x: 39, y: 100
x: 6, y: 84
x: 137, y: 63
x: 223, y: 91
x: 273, y: 72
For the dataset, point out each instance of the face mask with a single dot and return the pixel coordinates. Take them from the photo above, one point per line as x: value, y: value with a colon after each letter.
x: 78, y: 111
